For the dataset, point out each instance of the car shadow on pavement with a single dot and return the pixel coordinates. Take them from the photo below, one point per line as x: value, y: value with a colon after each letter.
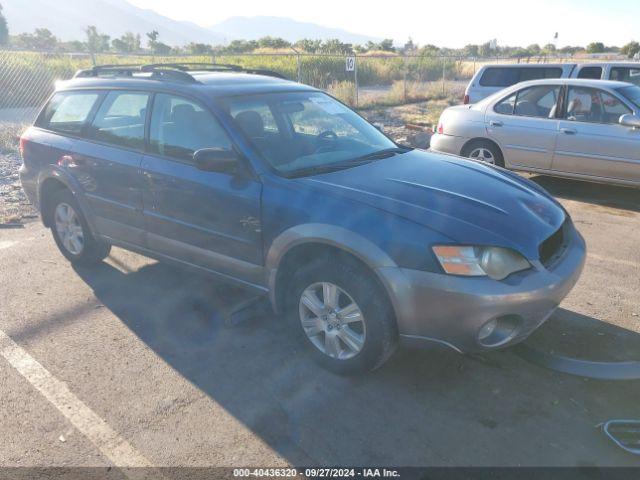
x: 613, y: 196
x: 424, y: 407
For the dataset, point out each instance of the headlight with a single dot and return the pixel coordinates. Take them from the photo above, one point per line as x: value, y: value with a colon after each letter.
x: 494, y: 262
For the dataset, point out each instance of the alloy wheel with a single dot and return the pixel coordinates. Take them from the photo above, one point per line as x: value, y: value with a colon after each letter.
x: 69, y: 229
x: 482, y: 154
x: 332, y: 320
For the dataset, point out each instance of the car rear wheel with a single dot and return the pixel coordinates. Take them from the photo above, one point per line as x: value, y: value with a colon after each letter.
x: 484, y: 152
x: 342, y: 315
x: 71, y: 231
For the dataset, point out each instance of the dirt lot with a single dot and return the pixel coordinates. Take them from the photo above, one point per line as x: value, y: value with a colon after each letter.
x: 130, y: 363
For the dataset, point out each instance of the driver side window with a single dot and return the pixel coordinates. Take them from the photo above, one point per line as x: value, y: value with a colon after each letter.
x: 179, y: 127
x: 594, y: 106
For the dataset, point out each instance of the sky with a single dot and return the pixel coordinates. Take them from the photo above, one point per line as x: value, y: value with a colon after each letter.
x: 452, y: 23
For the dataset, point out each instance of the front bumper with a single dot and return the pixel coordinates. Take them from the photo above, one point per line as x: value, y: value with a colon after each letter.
x: 451, y: 310
x: 447, y: 143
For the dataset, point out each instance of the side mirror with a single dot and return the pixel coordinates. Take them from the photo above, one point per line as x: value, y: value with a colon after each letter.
x: 220, y: 160
x: 629, y: 120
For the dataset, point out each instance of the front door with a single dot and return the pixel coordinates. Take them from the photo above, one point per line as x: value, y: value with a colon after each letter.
x: 592, y: 142
x: 205, y: 218
x: 524, y: 126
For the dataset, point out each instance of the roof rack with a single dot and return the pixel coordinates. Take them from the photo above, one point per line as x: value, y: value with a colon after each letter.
x: 169, y: 71
x: 130, y: 70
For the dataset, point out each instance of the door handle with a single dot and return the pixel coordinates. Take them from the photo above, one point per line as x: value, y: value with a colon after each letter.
x: 496, y: 123
x: 569, y: 131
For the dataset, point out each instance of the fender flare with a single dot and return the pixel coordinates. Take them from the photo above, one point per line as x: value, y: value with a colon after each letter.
x: 57, y: 173
x: 357, y: 245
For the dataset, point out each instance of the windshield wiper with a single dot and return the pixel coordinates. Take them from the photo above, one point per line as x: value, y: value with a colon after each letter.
x: 380, y: 154
x: 355, y: 162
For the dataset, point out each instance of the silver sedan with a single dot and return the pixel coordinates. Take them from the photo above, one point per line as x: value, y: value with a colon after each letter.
x: 583, y: 129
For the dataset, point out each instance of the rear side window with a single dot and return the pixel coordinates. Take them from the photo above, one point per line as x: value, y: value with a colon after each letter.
x: 594, y: 73
x: 539, y: 101
x: 68, y: 112
x: 507, y: 76
x: 626, y: 74
x: 120, y: 119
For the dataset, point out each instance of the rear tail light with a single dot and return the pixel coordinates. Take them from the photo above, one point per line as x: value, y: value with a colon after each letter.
x: 440, y: 128
x: 466, y: 100
x: 23, y: 144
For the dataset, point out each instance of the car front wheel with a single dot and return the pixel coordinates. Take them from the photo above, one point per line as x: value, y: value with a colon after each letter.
x: 342, y: 314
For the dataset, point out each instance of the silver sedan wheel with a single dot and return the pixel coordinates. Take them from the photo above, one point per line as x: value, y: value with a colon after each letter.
x: 69, y: 228
x: 332, y: 320
x: 482, y: 154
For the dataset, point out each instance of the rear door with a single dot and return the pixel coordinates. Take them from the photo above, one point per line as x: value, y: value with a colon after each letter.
x: 592, y: 142
x: 107, y: 165
x: 210, y: 219
x: 524, y: 126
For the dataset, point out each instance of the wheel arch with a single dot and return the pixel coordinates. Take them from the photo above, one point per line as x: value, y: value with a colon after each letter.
x: 53, y: 180
x: 302, y: 242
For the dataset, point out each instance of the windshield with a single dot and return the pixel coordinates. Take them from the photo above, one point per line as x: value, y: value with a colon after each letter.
x: 632, y: 94
x: 305, y: 131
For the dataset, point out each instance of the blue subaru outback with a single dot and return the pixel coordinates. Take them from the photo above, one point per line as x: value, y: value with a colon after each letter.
x: 360, y: 243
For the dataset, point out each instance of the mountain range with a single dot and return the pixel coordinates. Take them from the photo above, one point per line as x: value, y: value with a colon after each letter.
x: 67, y: 20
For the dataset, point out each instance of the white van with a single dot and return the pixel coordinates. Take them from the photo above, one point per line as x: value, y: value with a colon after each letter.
x: 492, y: 78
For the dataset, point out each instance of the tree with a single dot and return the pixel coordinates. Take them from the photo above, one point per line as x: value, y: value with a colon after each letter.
x: 549, y: 48
x: 386, y: 45
x: 4, y: 30
x: 470, y: 51
x: 271, y: 42
x: 96, y: 41
x: 409, y: 46
x: 595, y: 47
x: 336, y: 46
x: 199, y: 49
x: 40, y: 39
x: 630, y: 49
x: 127, y: 43
x: 156, y: 46
x: 307, y: 45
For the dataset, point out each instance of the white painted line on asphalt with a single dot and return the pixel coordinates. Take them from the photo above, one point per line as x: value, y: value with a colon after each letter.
x: 7, y: 244
x: 628, y: 263
x: 112, y: 445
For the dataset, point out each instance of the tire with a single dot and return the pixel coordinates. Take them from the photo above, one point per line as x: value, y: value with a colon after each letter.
x: 493, y: 155
x: 86, y: 249
x: 378, y: 332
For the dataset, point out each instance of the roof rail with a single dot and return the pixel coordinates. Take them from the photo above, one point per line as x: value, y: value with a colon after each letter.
x: 170, y: 71
x: 214, y: 67
x: 130, y: 70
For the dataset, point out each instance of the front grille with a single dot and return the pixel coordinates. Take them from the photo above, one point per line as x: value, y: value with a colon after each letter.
x: 552, y: 247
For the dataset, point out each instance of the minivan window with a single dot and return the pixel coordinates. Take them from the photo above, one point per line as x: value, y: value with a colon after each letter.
x: 593, y: 73
x: 120, y: 119
x: 507, y: 76
x: 179, y: 127
x: 68, y: 112
x: 626, y: 74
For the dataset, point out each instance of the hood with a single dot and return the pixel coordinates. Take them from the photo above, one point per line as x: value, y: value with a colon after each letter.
x: 467, y: 201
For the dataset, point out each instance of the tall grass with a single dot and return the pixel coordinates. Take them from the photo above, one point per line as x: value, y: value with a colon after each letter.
x: 27, y: 78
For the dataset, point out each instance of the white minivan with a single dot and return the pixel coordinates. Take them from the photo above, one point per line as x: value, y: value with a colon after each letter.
x: 492, y: 78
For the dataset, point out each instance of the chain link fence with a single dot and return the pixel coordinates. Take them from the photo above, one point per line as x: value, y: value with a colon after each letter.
x: 28, y: 78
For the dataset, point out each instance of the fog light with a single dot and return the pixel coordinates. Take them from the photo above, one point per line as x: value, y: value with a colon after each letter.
x: 487, y: 329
